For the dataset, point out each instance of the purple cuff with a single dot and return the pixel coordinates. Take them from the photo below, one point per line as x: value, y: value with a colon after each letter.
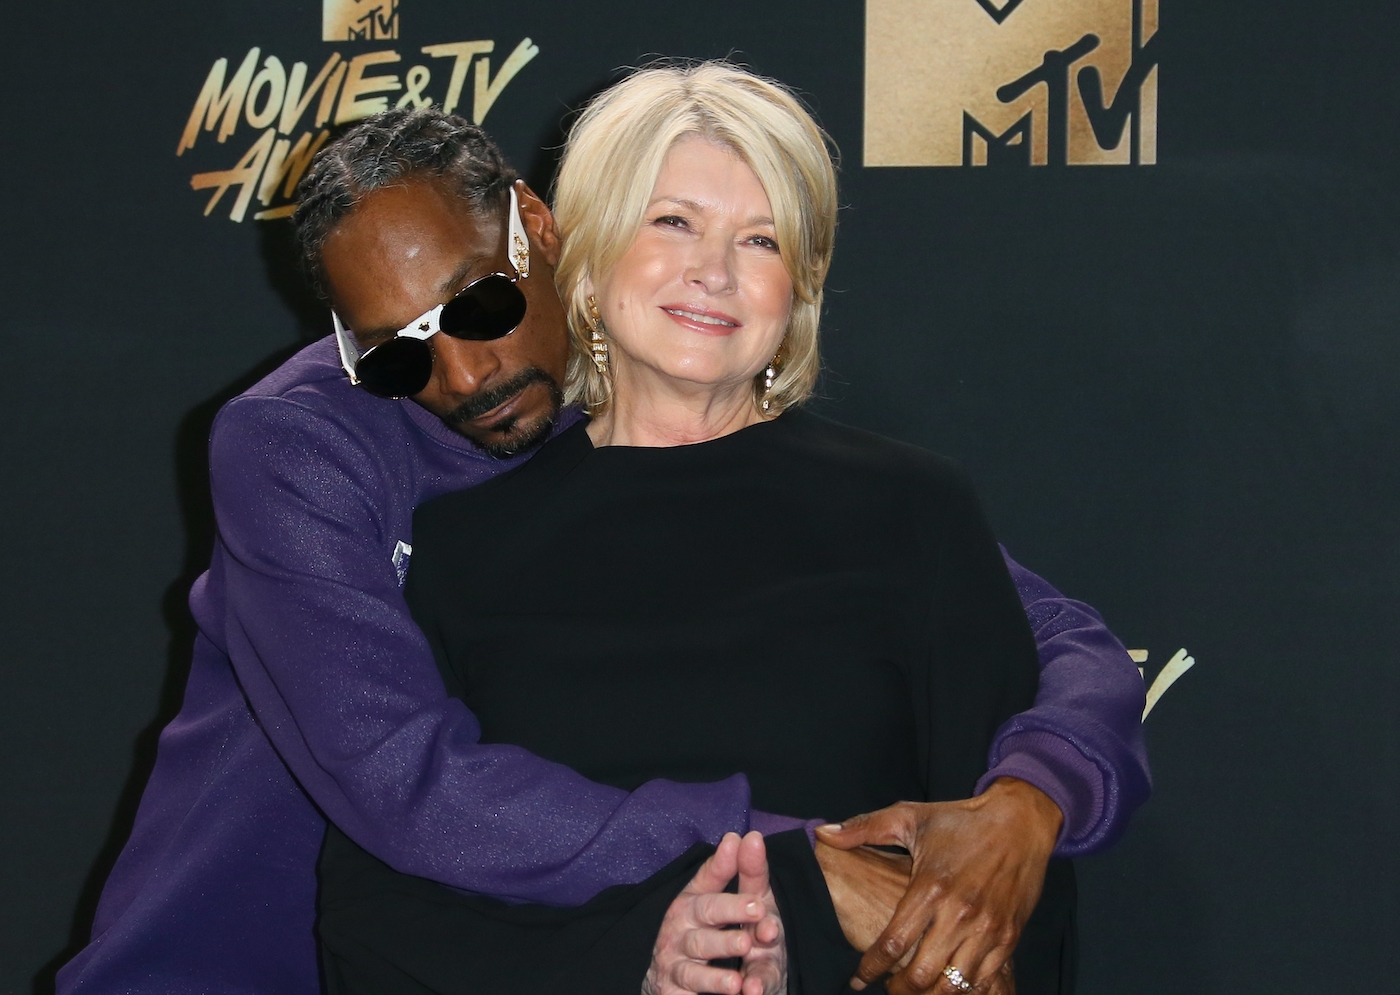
x: 769, y: 824
x: 1071, y: 780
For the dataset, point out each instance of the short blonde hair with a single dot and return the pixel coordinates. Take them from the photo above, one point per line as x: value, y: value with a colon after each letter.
x: 613, y: 156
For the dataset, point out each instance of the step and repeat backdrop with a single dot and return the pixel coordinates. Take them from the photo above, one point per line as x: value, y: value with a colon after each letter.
x: 1135, y: 263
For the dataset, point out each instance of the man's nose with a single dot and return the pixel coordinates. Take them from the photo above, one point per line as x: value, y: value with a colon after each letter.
x: 460, y: 366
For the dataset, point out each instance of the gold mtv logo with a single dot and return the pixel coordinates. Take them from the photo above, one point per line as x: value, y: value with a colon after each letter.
x: 1002, y: 82
x: 359, y: 20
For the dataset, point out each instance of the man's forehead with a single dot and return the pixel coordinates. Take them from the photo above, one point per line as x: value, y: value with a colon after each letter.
x: 409, y: 246
x: 415, y: 221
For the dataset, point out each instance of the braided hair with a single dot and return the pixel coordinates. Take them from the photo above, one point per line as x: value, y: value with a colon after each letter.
x: 384, y: 149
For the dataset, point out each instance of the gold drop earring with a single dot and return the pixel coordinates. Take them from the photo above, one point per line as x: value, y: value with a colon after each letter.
x: 597, y: 344
x: 769, y: 376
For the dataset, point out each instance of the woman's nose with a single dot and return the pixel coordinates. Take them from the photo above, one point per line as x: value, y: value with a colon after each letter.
x: 712, y: 266
x: 461, y: 367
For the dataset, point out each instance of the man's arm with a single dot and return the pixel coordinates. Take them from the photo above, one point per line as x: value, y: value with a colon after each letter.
x: 1081, y: 743
x: 1068, y: 772
x: 346, y: 688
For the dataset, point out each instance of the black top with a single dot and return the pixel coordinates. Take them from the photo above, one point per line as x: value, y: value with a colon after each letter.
x: 819, y: 608
x: 845, y: 585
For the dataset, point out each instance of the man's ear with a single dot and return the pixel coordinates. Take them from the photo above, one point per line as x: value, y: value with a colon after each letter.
x: 539, y: 223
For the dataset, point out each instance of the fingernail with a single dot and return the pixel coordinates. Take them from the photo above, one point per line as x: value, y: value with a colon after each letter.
x: 857, y: 985
x: 830, y: 827
x: 752, y: 908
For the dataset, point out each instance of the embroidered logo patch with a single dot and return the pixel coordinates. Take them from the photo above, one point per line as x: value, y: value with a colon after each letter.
x: 402, y: 552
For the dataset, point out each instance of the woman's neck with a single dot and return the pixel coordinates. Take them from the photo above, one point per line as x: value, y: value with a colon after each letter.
x: 662, y: 417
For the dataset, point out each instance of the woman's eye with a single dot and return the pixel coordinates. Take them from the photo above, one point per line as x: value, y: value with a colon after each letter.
x: 764, y: 242
x: 671, y: 221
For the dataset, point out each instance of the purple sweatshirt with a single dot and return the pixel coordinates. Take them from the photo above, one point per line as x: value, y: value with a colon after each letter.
x: 313, y: 696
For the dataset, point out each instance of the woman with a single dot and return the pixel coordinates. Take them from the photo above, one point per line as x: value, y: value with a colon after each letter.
x: 725, y: 539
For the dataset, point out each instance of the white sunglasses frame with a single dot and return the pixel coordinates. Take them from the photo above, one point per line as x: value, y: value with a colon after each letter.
x: 426, y: 325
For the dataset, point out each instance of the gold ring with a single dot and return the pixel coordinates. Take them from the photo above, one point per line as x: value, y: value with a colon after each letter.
x: 956, y: 979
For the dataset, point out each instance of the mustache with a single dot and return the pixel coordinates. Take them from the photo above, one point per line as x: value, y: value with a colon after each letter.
x: 484, y: 400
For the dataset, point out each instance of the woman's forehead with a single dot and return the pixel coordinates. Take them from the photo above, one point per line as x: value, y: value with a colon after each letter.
x: 710, y: 176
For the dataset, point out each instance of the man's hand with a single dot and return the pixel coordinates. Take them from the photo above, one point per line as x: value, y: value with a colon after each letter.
x: 693, y: 933
x: 976, y: 873
x: 866, y: 886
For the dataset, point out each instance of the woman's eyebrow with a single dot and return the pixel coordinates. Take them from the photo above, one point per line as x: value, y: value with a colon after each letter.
x: 697, y: 207
x: 678, y: 201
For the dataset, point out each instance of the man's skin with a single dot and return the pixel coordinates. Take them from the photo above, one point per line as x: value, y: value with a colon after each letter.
x: 977, y: 863
x: 976, y: 866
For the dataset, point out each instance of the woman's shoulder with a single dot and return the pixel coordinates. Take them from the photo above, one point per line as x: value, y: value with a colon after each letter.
x: 511, y: 487
x: 844, y: 449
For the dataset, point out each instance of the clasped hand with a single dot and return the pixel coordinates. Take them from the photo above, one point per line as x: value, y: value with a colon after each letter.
x: 971, y: 879
x: 699, y: 928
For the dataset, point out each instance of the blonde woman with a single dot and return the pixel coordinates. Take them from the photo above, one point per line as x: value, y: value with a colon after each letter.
x: 744, y: 586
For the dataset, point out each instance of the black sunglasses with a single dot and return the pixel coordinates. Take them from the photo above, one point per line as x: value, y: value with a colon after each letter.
x: 490, y: 307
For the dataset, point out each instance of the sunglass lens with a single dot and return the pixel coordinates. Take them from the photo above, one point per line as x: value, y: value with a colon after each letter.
x: 488, y: 309
x: 399, y: 368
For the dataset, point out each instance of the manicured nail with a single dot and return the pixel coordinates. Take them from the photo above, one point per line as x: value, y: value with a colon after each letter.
x: 830, y: 827
x: 752, y: 908
x: 857, y: 984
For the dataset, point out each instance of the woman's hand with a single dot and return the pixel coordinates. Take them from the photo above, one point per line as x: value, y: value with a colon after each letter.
x: 976, y: 873
x: 693, y: 931
x: 866, y: 886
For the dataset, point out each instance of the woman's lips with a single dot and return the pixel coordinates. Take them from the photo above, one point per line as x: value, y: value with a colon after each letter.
x: 702, y: 320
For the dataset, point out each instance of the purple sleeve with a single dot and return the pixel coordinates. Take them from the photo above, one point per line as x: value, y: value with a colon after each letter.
x: 346, y: 688
x: 1082, y: 741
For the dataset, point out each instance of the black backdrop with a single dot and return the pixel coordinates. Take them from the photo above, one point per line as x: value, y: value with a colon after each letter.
x: 1178, y: 387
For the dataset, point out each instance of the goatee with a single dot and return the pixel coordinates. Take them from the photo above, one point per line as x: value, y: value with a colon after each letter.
x: 512, y: 436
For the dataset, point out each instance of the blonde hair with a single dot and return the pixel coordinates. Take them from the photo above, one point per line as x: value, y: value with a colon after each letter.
x: 613, y: 156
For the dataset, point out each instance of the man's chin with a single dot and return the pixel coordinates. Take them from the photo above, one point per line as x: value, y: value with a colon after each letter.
x: 519, y: 431
x: 514, y: 436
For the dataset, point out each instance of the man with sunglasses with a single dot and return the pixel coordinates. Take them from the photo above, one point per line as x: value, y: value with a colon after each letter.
x: 312, y: 695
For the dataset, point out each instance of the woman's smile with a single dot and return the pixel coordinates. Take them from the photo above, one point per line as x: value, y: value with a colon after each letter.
x: 703, y: 320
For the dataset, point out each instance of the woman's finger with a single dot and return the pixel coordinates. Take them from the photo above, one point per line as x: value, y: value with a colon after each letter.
x: 768, y: 931
x: 727, y: 910
x: 706, y: 943
x: 753, y: 864
x: 693, y: 977
x: 718, y: 869
x: 763, y: 977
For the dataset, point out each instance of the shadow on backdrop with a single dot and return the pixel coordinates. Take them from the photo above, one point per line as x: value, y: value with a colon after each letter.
x: 190, y: 451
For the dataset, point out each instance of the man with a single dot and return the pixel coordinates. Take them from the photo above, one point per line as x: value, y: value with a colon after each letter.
x: 313, y: 696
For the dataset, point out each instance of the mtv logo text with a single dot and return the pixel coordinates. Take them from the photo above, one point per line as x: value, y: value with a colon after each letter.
x: 1010, y: 82
x: 359, y: 20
